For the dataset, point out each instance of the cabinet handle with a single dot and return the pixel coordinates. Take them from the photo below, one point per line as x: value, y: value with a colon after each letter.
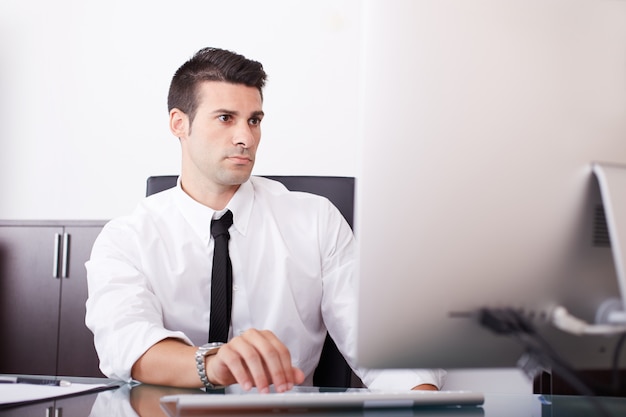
x: 66, y: 255
x: 54, y: 412
x: 55, y: 259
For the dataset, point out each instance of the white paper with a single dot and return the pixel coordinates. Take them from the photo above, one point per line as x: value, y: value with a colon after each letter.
x: 18, y: 393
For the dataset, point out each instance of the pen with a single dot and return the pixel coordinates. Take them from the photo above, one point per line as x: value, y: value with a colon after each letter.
x: 34, y: 381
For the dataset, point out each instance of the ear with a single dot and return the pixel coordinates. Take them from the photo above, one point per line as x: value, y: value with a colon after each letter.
x: 179, y: 123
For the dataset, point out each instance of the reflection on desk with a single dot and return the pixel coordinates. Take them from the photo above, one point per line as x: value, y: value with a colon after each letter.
x: 135, y: 400
x: 144, y: 401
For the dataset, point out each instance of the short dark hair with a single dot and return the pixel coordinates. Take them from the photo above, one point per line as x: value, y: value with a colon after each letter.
x: 211, y: 64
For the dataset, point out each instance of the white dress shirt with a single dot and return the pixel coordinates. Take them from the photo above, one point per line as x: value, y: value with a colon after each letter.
x: 293, y: 263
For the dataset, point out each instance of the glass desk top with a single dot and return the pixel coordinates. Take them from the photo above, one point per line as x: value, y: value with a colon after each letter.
x: 140, y: 400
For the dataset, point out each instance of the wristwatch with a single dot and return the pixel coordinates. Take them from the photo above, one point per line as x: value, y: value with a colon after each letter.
x: 203, y: 351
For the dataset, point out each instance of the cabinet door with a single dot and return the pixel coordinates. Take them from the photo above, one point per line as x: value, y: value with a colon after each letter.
x: 77, y: 355
x: 43, y: 409
x: 80, y: 406
x: 29, y: 299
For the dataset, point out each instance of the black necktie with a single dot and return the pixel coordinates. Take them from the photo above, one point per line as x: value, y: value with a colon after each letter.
x: 221, y: 280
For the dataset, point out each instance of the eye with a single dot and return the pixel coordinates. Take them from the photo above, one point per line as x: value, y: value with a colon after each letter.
x: 225, y: 118
x: 254, y: 121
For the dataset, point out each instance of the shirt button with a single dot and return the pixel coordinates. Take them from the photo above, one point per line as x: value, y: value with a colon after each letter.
x: 235, y: 288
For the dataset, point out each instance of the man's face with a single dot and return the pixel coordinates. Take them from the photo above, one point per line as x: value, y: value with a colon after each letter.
x: 220, y: 146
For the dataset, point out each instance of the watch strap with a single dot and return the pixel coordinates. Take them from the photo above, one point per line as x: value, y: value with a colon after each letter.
x: 201, y: 354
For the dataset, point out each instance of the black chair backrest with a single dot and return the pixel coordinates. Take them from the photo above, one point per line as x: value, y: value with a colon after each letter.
x: 332, y: 370
x: 339, y: 190
x: 160, y: 183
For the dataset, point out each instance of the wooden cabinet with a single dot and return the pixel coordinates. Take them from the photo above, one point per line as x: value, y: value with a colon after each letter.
x: 43, y: 289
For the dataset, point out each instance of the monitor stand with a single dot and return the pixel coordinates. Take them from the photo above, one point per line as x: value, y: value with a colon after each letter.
x: 612, y: 181
x: 611, y: 316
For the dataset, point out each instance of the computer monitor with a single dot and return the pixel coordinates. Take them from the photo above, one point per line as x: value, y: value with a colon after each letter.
x: 481, y: 123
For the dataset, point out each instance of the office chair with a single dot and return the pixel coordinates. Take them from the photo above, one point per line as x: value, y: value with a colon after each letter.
x: 332, y: 370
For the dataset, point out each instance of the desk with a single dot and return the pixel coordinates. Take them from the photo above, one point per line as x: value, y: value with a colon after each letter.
x: 143, y: 401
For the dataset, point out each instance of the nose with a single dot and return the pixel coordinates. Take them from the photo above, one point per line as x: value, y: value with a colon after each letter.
x: 244, y: 136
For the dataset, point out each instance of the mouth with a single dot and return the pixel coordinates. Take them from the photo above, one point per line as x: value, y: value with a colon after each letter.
x: 240, y: 159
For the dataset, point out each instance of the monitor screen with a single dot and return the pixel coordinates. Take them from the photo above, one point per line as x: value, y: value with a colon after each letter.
x: 481, y: 122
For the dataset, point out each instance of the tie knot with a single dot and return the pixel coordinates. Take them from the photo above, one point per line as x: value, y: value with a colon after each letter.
x: 220, y: 226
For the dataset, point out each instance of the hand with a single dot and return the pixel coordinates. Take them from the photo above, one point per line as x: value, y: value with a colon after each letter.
x: 144, y: 398
x: 257, y: 358
x: 426, y: 387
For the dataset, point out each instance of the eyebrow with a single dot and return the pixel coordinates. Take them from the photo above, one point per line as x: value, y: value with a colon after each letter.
x: 258, y: 113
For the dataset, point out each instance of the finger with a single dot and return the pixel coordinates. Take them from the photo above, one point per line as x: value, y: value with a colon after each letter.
x: 242, y: 361
x: 275, y: 360
x: 283, y: 376
x: 269, y: 367
x: 298, y: 376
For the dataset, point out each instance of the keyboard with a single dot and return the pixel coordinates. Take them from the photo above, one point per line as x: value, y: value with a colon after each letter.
x: 307, y: 398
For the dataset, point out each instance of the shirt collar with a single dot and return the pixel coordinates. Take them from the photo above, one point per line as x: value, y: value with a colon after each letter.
x: 199, y: 216
x: 241, y: 206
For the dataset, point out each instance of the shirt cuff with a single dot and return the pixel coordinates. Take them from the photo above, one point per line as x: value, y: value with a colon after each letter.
x: 406, y: 379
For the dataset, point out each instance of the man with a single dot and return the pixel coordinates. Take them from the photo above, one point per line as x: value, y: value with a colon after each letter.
x: 293, y: 257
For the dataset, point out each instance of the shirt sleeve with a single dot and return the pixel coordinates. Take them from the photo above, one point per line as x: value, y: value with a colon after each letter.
x: 122, y: 310
x: 402, y: 378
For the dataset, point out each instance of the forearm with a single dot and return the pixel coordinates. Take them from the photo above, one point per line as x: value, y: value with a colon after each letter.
x: 169, y: 362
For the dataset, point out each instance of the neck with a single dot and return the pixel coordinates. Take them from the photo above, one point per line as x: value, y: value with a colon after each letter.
x: 211, y: 195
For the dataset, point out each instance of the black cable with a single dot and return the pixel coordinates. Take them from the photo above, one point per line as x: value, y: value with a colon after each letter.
x: 617, y: 385
x: 509, y: 322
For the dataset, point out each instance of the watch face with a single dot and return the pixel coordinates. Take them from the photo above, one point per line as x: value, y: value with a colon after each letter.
x: 211, y: 345
x: 209, y: 348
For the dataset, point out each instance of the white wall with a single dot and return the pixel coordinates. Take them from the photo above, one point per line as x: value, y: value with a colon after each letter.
x: 84, y: 86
